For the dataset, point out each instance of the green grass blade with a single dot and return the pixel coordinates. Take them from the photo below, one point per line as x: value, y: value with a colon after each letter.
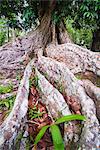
x: 40, y: 134
x: 57, y: 138
x: 70, y: 118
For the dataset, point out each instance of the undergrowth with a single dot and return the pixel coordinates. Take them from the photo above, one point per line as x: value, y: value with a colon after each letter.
x: 6, y: 89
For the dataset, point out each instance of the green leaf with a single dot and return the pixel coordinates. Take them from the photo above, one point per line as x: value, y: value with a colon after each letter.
x: 57, y: 138
x: 6, y: 104
x: 40, y: 134
x: 70, y: 118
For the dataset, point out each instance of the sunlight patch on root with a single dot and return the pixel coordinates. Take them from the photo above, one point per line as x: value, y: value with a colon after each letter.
x: 56, y: 71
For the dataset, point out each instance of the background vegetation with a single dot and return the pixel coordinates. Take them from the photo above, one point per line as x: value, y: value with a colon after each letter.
x: 80, y: 36
x: 83, y: 19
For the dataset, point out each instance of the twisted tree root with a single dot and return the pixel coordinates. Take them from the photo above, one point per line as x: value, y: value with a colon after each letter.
x: 57, y: 106
x: 76, y: 58
x: 56, y: 71
x: 15, y: 122
x: 94, y: 93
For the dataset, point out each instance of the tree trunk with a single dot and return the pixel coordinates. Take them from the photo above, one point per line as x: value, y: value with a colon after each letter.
x: 55, y: 72
x: 62, y: 34
x: 13, y: 35
x: 7, y: 33
x: 12, y: 54
x: 96, y: 41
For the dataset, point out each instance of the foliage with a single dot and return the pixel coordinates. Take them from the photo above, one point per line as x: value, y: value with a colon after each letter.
x: 20, y: 14
x: 2, y: 32
x: 29, y: 17
x: 12, y: 9
x: 24, y: 14
x: 82, y: 36
x: 7, y: 103
x: 2, y: 37
x: 85, y: 13
x: 34, y: 81
x: 88, y: 14
x: 34, y: 113
x: 55, y: 132
x: 6, y: 89
x: 56, y: 137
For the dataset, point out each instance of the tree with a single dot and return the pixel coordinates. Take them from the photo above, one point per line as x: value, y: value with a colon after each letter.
x: 86, y: 14
x: 51, y: 40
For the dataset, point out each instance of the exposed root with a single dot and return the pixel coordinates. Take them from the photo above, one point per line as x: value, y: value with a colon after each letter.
x: 58, y: 85
x: 15, y: 122
x: 76, y: 58
x: 52, y: 98
x: 56, y: 105
x: 6, y: 82
x: 7, y: 95
x: 55, y: 71
x: 94, y: 93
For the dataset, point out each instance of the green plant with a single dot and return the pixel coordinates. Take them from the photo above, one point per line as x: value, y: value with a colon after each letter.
x: 18, y: 76
x: 81, y: 36
x: 18, y: 140
x: 78, y: 77
x: 7, y: 103
x: 55, y: 131
x: 6, y: 89
x: 34, y: 81
x: 2, y: 31
x: 2, y: 37
x: 35, y: 113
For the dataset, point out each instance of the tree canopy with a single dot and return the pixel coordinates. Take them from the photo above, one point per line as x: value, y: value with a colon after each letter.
x: 25, y: 13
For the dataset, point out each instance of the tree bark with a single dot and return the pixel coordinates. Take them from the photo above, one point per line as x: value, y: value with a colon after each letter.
x: 11, y: 54
x: 62, y: 34
x: 96, y: 41
x: 56, y: 71
x: 76, y: 58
